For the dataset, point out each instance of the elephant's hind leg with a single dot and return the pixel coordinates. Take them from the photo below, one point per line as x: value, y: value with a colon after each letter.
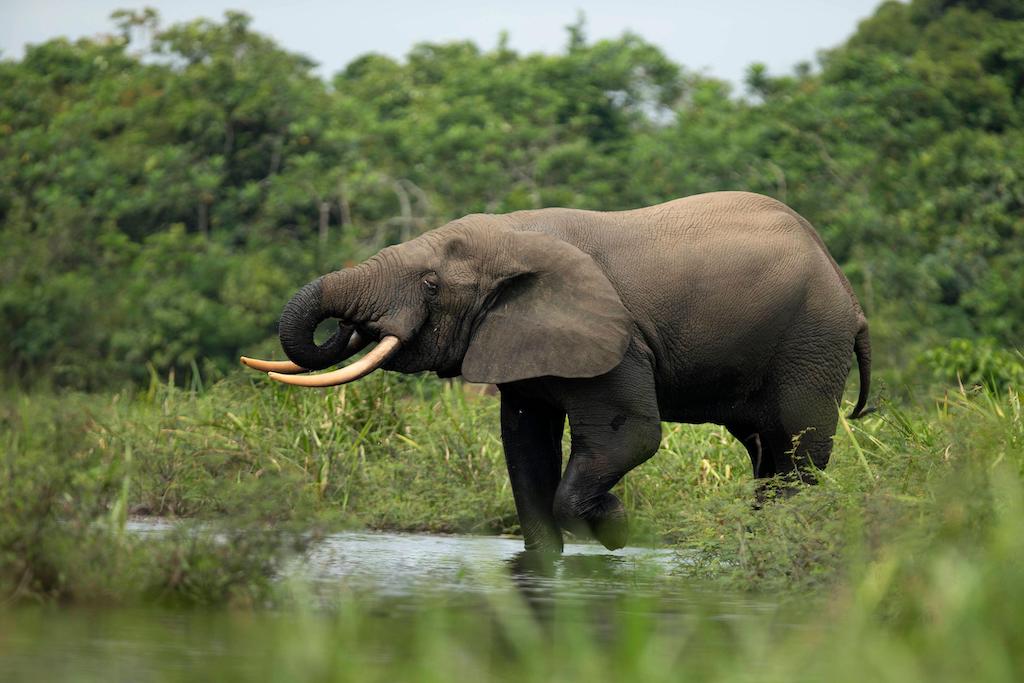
x: 761, y: 460
x: 792, y: 444
x: 802, y: 409
x: 801, y: 443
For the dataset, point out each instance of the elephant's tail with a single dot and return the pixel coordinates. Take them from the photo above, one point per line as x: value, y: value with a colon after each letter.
x: 862, y: 348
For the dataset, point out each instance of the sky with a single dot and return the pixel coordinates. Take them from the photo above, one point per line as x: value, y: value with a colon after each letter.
x: 719, y: 37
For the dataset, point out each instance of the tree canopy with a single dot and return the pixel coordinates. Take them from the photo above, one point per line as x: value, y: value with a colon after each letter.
x: 164, y: 189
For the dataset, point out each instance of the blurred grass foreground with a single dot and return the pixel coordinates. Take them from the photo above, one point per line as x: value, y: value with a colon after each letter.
x: 164, y: 189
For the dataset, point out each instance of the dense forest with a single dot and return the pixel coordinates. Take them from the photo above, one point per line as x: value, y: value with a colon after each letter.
x: 163, y: 190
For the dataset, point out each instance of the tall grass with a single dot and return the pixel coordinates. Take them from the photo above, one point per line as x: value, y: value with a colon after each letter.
x: 904, y: 563
x: 387, y: 453
x: 947, y: 610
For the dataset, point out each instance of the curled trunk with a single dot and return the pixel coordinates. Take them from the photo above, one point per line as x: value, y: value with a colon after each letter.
x: 299, y: 321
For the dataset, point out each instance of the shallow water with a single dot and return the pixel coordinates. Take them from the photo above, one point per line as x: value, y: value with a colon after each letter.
x: 408, y: 569
x: 414, y: 565
x: 400, y: 574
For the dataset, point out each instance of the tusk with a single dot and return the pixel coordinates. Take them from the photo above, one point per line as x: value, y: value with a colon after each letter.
x: 285, y: 366
x: 361, y: 368
x: 355, y: 344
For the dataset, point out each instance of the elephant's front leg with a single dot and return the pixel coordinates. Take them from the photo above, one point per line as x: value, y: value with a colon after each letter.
x: 615, y: 426
x: 531, y: 433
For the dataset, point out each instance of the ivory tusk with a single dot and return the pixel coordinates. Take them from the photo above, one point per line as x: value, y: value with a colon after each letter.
x: 283, y: 366
x: 286, y: 367
x: 361, y: 368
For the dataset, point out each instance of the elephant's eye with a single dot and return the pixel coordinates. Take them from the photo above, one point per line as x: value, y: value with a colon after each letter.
x: 430, y: 285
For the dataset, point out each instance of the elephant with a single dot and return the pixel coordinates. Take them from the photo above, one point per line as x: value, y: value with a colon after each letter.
x: 724, y: 308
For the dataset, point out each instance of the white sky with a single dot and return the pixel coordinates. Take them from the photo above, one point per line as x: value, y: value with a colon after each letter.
x: 721, y: 37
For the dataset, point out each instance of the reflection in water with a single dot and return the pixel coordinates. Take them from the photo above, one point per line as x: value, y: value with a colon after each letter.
x: 414, y: 566
x: 543, y: 578
x: 409, y: 570
x: 531, y: 573
x: 391, y: 576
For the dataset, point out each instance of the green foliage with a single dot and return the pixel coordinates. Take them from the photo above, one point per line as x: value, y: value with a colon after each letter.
x: 368, y: 454
x: 395, y: 453
x: 164, y: 189
x: 68, y: 483
x: 976, y: 363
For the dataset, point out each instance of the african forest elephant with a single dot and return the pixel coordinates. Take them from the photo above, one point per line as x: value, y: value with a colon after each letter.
x: 723, y: 307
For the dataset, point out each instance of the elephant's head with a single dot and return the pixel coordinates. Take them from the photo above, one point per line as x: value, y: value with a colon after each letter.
x: 475, y: 297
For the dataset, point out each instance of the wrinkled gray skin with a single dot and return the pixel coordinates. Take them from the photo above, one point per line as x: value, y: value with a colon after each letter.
x: 723, y: 307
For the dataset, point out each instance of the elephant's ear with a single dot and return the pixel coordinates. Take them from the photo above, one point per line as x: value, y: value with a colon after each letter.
x: 554, y: 314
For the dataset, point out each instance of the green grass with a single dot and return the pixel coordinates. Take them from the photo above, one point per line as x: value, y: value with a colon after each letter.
x: 903, y: 564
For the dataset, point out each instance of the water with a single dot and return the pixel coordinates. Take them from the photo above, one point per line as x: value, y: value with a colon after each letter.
x: 410, y: 566
x: 400, y: 574
x: 414, y: 565
x: 407, y: 569
x: 462, y: 570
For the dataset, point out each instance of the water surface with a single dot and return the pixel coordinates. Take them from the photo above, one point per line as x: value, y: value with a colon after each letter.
x: 400, y: 574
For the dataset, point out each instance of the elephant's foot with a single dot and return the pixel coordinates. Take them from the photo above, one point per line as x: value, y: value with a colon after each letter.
x: 611, y: 525
x: 533, y: 563
x: 776, y: 489
x: 543, y: 538
x: 604, y: 518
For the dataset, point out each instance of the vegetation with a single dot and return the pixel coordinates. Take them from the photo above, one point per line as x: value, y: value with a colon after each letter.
x: 372, y: 456
x: 903, y: 560
x: 163, y: 191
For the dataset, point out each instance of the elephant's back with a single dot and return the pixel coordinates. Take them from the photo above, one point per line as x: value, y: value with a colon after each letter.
x: 713, y: 216
x: 713, y: 281
x: 696, y: 223
x: 690, y: 240
x: 761, y: 229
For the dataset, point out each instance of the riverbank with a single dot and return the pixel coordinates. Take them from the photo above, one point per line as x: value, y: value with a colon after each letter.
x: 417, y: 454
x: 908, y: 550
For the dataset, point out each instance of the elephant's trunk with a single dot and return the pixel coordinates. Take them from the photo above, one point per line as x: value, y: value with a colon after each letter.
x: 300, y: 318
x: 335, y: 295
